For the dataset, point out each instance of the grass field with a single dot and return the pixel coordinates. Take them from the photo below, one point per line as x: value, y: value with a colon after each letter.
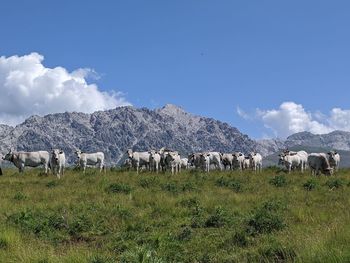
x: 190, y: 217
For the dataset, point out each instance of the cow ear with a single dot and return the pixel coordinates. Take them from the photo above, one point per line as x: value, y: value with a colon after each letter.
x: 335, y: 152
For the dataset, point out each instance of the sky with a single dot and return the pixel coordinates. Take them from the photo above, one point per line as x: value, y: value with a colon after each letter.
x: 269, y: 68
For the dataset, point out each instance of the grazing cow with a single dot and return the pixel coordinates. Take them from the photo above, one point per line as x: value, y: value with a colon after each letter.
x: 227, y: 160
x: 238, y: 160
x: 246, y: 163
x: 138, y: 159
x: 205, y: 161
x: 318, y: 162
x: 154, y: 161
x: 184, y: 163
x: 57, y: 162
x: 293, y: 160
x: 334, y: 160
x: 95, y: 159
x: 255, y: 161
x: 194, y: 159
x: 173, y: 161
x: 31, y: 159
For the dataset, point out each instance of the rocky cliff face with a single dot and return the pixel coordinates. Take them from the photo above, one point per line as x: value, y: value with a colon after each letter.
x: 114, y: 131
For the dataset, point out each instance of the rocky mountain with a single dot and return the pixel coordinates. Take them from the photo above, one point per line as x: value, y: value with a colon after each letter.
x: 338, y: 140
x: 114, y: 131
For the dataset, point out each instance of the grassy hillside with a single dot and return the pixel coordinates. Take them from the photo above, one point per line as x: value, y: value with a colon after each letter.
x: 190, y: 217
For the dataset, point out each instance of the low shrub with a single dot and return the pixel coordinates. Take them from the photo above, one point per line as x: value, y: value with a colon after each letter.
x: 231, y: 183
x: 275, y: 252
x: 51, y: 184
x: 278, y: 181
x: 118, y: 188
x: 218, y: 219
x: 3, y: 243
x: 310, y: 185
x: 335, y: 183
x: 266, y: 219
x: 197, y: 220
x: 185, y: 234
x: 19, y: 196
x: 190, y: 202
x: 141, y: 255
x: 148, y: 182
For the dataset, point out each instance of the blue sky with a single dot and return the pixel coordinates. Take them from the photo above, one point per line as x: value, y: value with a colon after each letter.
x: 209, y: 57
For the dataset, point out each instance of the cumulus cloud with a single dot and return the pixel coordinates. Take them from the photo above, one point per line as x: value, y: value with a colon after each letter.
x: 291, y: 118
x: 27, y: 87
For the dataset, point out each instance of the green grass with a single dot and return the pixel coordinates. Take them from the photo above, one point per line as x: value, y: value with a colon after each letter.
x: 190, y: 217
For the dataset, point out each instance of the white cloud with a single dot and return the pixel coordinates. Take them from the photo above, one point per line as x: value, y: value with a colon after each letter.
x: 243, y: 114
x: 291, y: 118
x: 27, y: 87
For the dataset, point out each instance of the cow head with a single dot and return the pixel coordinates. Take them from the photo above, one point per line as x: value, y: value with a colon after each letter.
x: 55, y: 153
x: 9, y: 156
x: 78, y: 153
x: 130, y: 153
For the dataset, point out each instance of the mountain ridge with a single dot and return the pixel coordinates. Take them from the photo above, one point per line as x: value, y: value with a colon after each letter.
x: 116, y: 130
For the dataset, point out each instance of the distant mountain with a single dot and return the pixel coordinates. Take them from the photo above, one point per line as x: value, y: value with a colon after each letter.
x: 338, y: 140
x: 114, y: 131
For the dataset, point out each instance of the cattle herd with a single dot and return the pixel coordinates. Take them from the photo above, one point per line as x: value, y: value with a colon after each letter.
x: 169, y: 160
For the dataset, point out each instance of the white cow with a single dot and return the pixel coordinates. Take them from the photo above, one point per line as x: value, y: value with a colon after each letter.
x: 214, y: 159
x: 139, y: 159
x: 255, y: 161
x: 293, y: 160
x: 31, y: 159
x: 246, y: 163
x: 184, y: 163
x: 334, y: 160
x: 57, y: 162
x: 239, y: 160
x: 163, y: 154
x: 318, y: 162
x: 227, y: 160
x: 205, y: 161
x: 173, y: 161
x: 154, y: 161
x: 94, y: 159
x: 194, y: 159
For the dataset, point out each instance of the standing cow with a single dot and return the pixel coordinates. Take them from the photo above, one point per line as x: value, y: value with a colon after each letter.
x: 184, y: 163
x: 227, y: 160
x: 139, y: 159
x: 154, y: 161
x: 238, y: 160
x: 57, y: 162
x: 255, y: 161
x: 293, y: 160
x: 173, y: 161
x: 30, y: 159
x: 334, y: 160
x: 94, y: 159
x: 318, y: 162
x: 194, y: 160
x: 205, y: 162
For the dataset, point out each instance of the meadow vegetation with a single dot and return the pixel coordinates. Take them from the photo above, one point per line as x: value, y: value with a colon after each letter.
x: 190, y: 217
